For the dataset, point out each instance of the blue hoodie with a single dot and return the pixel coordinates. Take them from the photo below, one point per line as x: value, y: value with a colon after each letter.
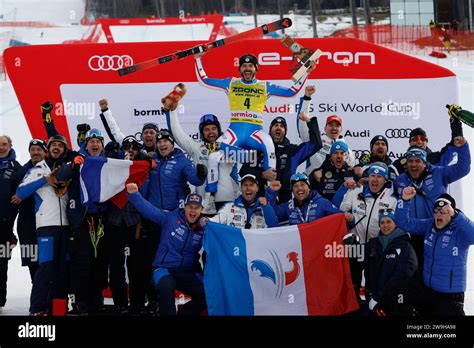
x: 180, y: 242
x: 445, y: 250
x: 165, y: 185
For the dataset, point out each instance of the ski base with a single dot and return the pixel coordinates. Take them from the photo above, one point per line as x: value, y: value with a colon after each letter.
x: 249, y: 34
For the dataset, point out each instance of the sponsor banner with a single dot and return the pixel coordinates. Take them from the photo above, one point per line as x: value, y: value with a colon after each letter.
x: 161, y: 29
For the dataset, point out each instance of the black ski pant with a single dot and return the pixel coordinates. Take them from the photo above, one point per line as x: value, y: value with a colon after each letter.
x: 151, y: 234
x: 413, y: 295
x: 126, y: 244
x: 6, y: 231
x: 89, y: 265
x: 167, y: 281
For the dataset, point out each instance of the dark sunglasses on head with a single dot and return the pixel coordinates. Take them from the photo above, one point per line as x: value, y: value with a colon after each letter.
x: 419, y: 138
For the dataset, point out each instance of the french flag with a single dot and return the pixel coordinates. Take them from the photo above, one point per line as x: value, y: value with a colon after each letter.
x: 278, y: 271
x: 105, y: 178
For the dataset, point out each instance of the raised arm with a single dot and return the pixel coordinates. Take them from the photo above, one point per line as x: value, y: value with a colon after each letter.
x: 462, y: 167
x: 185, y: 142
x: 222, y: 84
x: 145, y: 208
x: 402, y: 215
x: 271, y: 194
x: 303, y: 113
x: 109, y: 122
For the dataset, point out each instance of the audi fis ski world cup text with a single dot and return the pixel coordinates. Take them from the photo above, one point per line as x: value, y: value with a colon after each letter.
x: 389, y: 108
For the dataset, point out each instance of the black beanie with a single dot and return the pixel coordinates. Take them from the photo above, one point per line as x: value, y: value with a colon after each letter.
x: 281, y: 120
x: 38, y: 142
x: 378, y: 138
x: 443, y: 199
x: 417, y: 131
x: 165, y: 134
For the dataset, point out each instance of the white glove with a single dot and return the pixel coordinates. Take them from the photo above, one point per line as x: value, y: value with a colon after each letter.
x: 372, y: 304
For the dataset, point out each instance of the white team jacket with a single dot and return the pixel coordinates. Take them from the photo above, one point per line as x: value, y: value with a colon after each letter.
x: 318, y: 158
x: 50, y: 210
x: 233, y: 215
x: 360, y: 202
x: 227, y: 188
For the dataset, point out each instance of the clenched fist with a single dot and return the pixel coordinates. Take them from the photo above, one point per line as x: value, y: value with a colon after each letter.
x: 104, y: 104
x: 132, y: 188
x: 309, y: 90
x: 408, y: 193
x: 275, y: 185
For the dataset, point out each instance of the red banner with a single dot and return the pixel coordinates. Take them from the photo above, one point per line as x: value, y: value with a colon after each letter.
x: 355, y: 79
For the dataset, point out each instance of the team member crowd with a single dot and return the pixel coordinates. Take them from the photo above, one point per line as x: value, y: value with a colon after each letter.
x: 415, y: 240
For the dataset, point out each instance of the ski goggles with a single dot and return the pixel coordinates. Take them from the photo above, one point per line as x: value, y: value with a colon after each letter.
x: 299, y: 177
x: 419, y: 153
x: 94, y: 133
x: 208, y: 118
x: 441, y: 210
x: 441, y: 206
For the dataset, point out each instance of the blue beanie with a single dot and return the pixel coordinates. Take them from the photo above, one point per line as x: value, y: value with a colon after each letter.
x: 338, y: 146
x: 378, y: 168
x: 386, y: 213
x: 418, y: 152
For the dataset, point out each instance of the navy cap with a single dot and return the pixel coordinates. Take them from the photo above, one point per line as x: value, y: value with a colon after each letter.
x: 193, y: 198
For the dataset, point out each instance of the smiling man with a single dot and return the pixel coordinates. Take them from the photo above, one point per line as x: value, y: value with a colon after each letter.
x: 226, y: 188
x: 247, y: 99
x: 307, y: 205
x: 26, y: 226
x: 333, y: 172
x: 247, y: 211
x: 447, y: 237
x: 175, y: 258
x: 430, y: 182
x: 332, y: 133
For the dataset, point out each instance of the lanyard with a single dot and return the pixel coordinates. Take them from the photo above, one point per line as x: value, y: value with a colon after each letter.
x: 300, y: 214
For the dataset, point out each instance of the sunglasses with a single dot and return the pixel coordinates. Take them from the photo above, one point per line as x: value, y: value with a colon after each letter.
x: 441, y: 210
x: 419, y: 138
x: 388, y: 211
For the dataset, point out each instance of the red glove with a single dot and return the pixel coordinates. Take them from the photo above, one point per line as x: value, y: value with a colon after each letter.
x: 76, y: 162
x: 153, y: 163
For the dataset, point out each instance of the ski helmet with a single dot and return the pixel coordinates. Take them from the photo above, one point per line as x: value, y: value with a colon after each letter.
x: 58, y: 137
x: 248, y: 58
x: 206, y: 120
x: 94, y: 133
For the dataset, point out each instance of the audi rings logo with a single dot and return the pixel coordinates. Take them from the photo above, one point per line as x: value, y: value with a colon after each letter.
x: 108, y: 63
x: 397, y: 133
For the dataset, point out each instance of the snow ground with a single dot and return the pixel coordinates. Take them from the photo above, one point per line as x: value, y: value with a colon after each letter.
x: 12, y: 121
